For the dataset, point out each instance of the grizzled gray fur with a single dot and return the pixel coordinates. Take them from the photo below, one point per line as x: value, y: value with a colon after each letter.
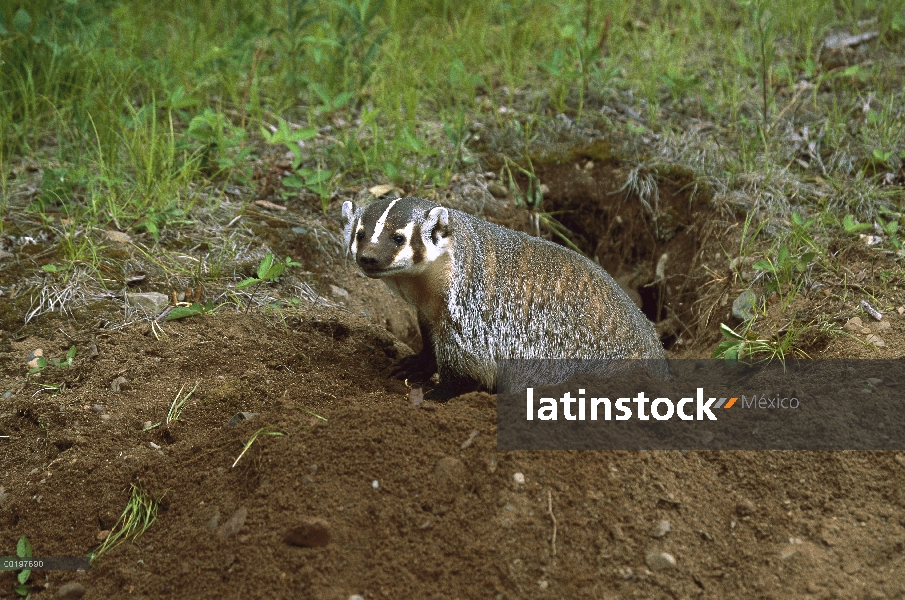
x: 484, y: 292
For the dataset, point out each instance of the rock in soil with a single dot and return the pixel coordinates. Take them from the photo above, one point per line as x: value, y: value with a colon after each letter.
x: 745, y: 508
x: 311, y: 532
x: 743, y: 306
x: 71, y: 591
x: 235, y: 523
x: 660, y: 529
x: 150, y: 302
x: 659, y: 561
x: 119, y: 384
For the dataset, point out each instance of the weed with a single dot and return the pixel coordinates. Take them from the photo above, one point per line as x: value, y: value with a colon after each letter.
x: 23, y: 550
x: 178, y: 405
x: 269, y: 269
x: 783, y: 270
x: 139, y: 514
x: 266, y: 430
x: 43, y: 364
x: 196, y: 308
x: 738, y: 346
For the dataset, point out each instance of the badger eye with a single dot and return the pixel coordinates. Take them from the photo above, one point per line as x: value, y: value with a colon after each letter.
x: 360, y: 235
x: 399, y: 239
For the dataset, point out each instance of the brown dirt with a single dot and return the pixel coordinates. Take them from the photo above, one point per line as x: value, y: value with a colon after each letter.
x: 447, y: 518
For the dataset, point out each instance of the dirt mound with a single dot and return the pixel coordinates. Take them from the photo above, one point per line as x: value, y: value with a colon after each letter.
x: 366, y: 494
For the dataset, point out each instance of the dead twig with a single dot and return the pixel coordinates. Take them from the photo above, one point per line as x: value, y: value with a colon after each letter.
x: 552, y: 517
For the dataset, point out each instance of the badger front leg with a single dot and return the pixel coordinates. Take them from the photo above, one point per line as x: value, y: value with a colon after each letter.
x: 420, y: 367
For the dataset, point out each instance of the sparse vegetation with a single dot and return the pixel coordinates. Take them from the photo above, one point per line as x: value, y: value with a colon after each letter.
x: 266, y: 430
x: 139, y: 514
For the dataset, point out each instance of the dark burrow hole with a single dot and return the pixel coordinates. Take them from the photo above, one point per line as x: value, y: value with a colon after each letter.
x: 647, y: 234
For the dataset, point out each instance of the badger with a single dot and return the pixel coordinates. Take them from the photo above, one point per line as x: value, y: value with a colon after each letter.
x: 484, y: 293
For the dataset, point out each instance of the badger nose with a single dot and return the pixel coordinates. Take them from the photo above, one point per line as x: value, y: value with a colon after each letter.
x: 367, y: 260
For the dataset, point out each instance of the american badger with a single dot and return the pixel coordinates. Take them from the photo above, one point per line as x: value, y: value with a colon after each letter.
x: 485, y: 293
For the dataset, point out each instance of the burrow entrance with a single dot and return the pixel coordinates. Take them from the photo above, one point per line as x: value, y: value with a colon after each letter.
x: 645, y: 228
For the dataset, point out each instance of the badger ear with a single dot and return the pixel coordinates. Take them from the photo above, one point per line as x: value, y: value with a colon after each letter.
x: 436, y: 225
x: 349, y: 215
x: 348, y: 210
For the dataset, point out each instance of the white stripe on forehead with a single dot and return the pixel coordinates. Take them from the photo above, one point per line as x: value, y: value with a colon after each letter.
x: 378, y: 228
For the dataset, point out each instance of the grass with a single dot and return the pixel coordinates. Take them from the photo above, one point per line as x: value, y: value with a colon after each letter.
x: 143, y: 115
x: 139, y: 514
x: 266, y: 430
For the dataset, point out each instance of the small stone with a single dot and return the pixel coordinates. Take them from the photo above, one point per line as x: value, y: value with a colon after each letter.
x: 745, y: 508
x: 214, y: 522
x: 743, y: 306
x: 874, y: 381
x: 853, y: 325
x: 658, y: 561
x: 299, y: 230
x: 901, y: 310
x: 235, y: 523
x: 660, y: 529
x: 339, y: 292
x: 882, y: 326
x: 32, y: 361
x: 105, y: 417
x: 155, y: 446
x: 497, y: 190
x: 152, y: 303
x: 311, y: 532
x: 900, y: 458
x: 241, y: 416
x: 876, y: 340
x: 119, y: 384
x: 145, y: 425
x: 356, y: 597
x: 7, y: 394
x: 118, y: 237
x: 375, y: 484
x: 71, y: 591
x: 102, y: 535
x: 97, y: 408
x: 519, y: 478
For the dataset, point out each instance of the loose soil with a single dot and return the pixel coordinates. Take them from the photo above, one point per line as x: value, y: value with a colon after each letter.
x: 416, y: 501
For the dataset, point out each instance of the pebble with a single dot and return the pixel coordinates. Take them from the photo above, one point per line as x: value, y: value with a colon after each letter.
x: 119, y: 384
x: 7, y: 394
x: 853, y: 325
x: 874, y: 381
x: 660, y: 529
x: 658, y: 561
x: 745, y: 508
x: 882, y: 325
x: 519, y: 478
x: 900, y: 458
x: 311, y: 532
x: 876, y: 340
x: 152, y: 303
x: 117, y: 236
x: 239, y: 417
x: 71, y: 590
x: 375, y: 484
x: 97, y: 408
x: 102, y: 535
x: 338, y: 291
x: 32, y: 360
x: 743, y: 306
x: 235, y: 523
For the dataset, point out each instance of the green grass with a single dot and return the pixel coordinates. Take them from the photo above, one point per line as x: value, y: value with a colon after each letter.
x: 133, y: 109
x: 139, y: 514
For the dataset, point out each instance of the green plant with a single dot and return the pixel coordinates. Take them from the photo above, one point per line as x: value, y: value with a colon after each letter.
x: 218, y: 136
x: 533, y: 200
x: 178, y: 405
x: 760, y: 12
x: 850, y: 226
x: 783, y: 269
x: 65, y: 364
x: 737, y: 346
x: 266, y: 430
x: 269, y: 269
x: 23, y: 550
x: 139, y: 514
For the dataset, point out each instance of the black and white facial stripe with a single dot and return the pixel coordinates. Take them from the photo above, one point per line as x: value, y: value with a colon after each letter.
x: 395, y: 236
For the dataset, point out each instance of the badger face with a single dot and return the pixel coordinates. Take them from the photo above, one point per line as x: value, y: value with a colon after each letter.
x: 401, y: 236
